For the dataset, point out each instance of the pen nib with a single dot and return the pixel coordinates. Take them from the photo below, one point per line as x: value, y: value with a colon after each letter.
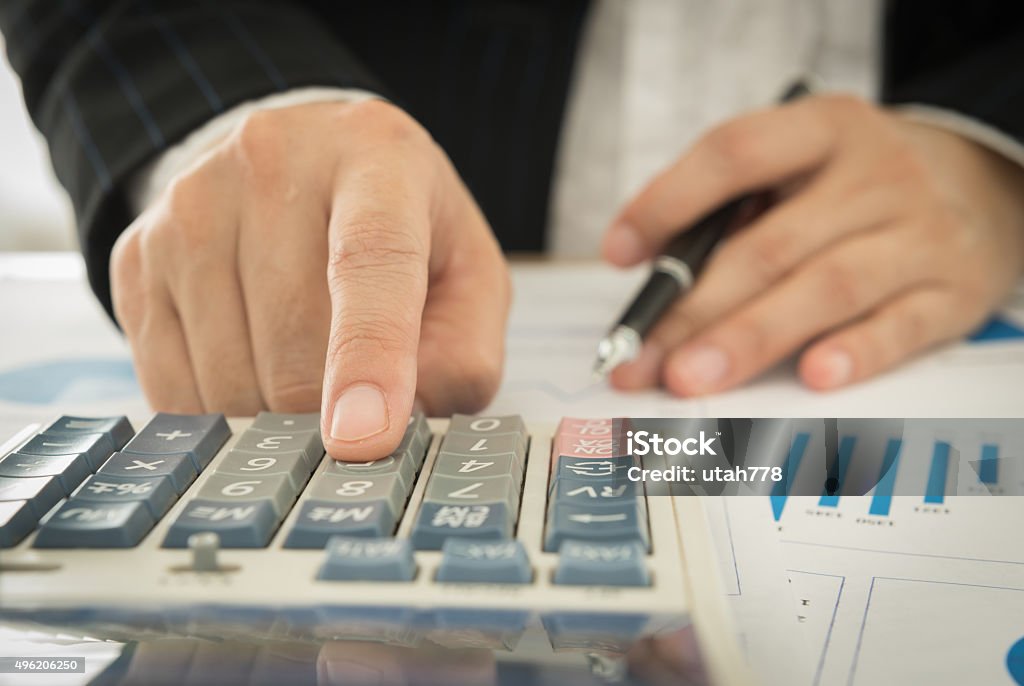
x: 621, y: 345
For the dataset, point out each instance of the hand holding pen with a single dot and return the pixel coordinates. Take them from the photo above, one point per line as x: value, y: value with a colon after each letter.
x: 888, y: 236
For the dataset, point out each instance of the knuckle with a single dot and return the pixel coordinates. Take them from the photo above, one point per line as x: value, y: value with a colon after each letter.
x: 364, y: 338
x: 480, y: 371
x: 731, y: 146
x: 769, y: 255
x: 842, y: 284
x: 374, y: 244
x: 386, y: 121
x: 125, y: 277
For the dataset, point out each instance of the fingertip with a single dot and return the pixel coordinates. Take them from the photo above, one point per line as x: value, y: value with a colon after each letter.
x: 623, y: 246
x: 359, y: 425
x: 826, y: 368
x: 697, y: 370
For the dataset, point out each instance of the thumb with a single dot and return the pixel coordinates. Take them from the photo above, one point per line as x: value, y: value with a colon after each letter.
x: 377, y: 277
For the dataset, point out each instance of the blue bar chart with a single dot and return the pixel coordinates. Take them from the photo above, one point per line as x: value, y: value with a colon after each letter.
x: 935, y: 489
x: 780, y: 491
x: 988, y: 469
x: 881, y: 501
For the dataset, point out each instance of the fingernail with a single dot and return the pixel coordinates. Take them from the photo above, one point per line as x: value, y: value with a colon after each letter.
x: 345, y: 672
x: 703, y: 367
x: 623, y: 241
x: 835, y: 368
x: 360, y: 412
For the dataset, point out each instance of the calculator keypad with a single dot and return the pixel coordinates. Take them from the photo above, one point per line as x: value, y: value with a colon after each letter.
x: 117, y: 487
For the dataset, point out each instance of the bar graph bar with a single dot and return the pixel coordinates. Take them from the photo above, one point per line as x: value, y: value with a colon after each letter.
x: 780, y: 491
x: 881, y: 501
x: 935, y: 489
x: 846, y: 446
x: 988, y: 470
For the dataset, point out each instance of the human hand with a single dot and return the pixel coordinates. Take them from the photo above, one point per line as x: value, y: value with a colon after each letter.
x: 321, y: 256
x: 888, y: 237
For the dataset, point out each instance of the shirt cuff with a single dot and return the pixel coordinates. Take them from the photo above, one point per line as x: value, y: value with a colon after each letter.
x: 150, y: 180
x: 967, y: 127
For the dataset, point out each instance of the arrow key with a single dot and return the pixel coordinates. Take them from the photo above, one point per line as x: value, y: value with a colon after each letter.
x: 597, y: 524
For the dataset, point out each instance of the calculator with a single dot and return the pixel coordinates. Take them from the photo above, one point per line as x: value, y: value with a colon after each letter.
x: 479, y: 530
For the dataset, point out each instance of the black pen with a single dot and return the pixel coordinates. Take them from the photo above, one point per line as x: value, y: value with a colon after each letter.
x: 673, y: 274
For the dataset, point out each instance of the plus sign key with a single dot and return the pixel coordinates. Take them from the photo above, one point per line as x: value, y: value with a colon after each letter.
x: 198, y: 436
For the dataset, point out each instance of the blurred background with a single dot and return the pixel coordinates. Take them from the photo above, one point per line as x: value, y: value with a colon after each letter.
x: 34, y: 212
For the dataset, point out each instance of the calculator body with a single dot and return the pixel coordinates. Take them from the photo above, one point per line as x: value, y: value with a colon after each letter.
x: 277, y: 592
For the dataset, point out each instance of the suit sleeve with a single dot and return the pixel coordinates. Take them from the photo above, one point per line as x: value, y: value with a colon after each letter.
x: 966, y: 57
x: 112, y: 84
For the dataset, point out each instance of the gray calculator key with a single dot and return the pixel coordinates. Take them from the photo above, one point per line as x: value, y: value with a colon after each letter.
x: 179, y: 469
x: 274, y: 422
x: 261, y: 443
x: 398, y: 463
x: 368, y: 559
x: 199, y: 436
x: 342, y: 488
x: 80, y: 524
x: 477, y: 446
x: 609, y: 469
x: 487, y: 426
x: 227, y: 488
x: 94, y: 447
x: 319, y: 520
x: 605, y: 564
x: 70, y: 470
x: 597, y: 524
x: 488, y: 562
x: 155, y: 492
x: 119, y: 429
x: 416, y: 439
x: 244, y: 524
x: 595, y: 493
x: 41, y: 492
x: 479, y: 467
x: 16, y: 521
x: 293, y: 465
x: 454, y: 491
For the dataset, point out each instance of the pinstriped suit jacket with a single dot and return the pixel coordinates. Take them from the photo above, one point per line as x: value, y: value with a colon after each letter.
x: 112, y: 83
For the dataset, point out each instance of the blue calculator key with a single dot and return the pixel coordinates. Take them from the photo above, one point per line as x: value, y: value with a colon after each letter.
x: 155, y: 492
x: 612, y: 524
x: 199, y: 436
x: 319, y: 520
x: 368, y: 559
x: 582, y: 563
x: 16, y: 521
x: 70, y: 470
x: 81, y: 524
x: 178, y: 469
x: 118, y: 428
x: 95, y: 448
x: 594, y: 493
x: 438, y: 522
x: 595, y: 469
x: 41, y: 492
x: 486, y: 562
x: 239, y: 524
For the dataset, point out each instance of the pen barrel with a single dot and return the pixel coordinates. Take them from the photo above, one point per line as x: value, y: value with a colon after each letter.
x: 657, y: 295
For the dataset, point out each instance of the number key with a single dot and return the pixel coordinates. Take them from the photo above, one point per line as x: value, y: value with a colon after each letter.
x: 339, y: 488
x: 479, y: 467
x: 293, y: 465
x: 262, y: 443
x: 229, y: 488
